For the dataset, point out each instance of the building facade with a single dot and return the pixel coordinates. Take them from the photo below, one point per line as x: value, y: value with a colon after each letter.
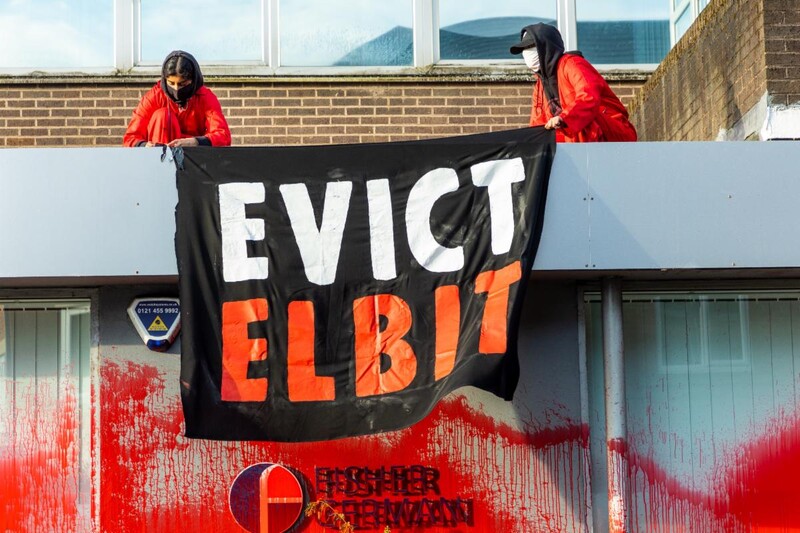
x: 746, y: 53
x: 658, y: 344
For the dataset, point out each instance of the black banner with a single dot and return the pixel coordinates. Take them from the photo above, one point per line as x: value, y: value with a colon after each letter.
x: 332, y: 291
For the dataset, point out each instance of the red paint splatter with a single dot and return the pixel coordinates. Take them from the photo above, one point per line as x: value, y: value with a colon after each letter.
x: 657, y: 501
x: 763, y: 483
x: 755, y: 489
x: 40, y: 471
x: 155, y: 480
x: 534, y: 479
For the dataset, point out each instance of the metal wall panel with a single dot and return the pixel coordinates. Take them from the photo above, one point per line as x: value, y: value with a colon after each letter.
x: 523, y: 464
x: 694, y: 205
x: 86, y: 212
x: 110, y: 211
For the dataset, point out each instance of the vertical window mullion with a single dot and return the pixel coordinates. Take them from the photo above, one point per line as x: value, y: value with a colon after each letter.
x: 124, y: 37
x: 425, y: 32
x: 568, y: 23
x: 272, y: 37
x: 433, y: 24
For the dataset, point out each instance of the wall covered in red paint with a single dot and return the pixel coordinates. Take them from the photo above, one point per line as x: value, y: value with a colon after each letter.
x: 39, y: 459
x: 154, y: 479
x: 524, y: 465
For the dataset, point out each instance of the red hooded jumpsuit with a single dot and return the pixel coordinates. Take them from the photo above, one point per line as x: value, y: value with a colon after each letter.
x: 590, y: 110
x: 159, y: 119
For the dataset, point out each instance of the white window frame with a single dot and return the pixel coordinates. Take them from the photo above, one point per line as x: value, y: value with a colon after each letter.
x: 677, y: 8
x: 127, y: 48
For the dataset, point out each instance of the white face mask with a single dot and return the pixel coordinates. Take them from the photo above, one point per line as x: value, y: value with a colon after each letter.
x: 531, y: 57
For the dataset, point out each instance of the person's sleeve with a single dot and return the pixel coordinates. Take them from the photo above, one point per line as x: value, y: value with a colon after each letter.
x: 538, y: 117
x: 136, y: 134
x: 587, y: 84
x: 217, y: 131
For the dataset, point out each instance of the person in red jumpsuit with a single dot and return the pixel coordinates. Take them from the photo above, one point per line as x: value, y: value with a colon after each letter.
x: 179, y: 110
x: 570, y: 96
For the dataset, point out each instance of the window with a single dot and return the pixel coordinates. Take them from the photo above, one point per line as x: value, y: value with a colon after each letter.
x: 683, y: 22
x: 687, y: 330
x: 45, y: 414
x: 274, y: 37
x: 623, y: 32
x: 210, y: 30
x: 479, y: 30
x: 705, y: 374
x: 56, y: 35
x: 684, y: 13
x: 346, y: 33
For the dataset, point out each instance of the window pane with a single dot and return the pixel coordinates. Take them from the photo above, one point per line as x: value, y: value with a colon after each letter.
x: 623, y: 31
x: 683, y: 22
x: 352, y: 33
x: 45, y: 419
x: 706, y: 376
x: 56, y: 34
x: 486, y: 30
x: 208, y: 29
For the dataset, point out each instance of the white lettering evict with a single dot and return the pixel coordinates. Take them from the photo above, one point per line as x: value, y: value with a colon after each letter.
x: 429, y: 253
x: 381, y: 230
x: 319, y: 247
x: 497, y: 177
x: 236, y: 230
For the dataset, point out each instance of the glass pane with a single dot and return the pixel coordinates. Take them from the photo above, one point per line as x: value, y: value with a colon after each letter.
x: 208, y: 29
x: 683, y: 22
x: 623, y: 32
x: 56, y: 34
x: 486, y: 30
x: 45, y: 418
x: 352, y: 33
x: 711, y: 380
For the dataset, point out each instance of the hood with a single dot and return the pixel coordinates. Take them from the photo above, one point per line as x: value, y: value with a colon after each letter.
x: 550, y: 46
x: 184, y: 59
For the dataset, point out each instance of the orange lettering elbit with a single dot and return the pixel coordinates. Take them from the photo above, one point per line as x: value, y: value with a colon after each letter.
x: 371, y: 342
x: 304, y: 383
x: 238, y: 349
x: 448, y: 321
x: 494, y: 325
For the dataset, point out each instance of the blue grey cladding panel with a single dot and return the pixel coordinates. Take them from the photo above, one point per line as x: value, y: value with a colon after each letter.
x: 86, y: 212
x: 565, y: 235
x: 694, y: 205
x: 111, y: 211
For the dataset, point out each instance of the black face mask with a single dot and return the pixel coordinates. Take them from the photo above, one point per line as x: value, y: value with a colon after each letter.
x: 182, y: 94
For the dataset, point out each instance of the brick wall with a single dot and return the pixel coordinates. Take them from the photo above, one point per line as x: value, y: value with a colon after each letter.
x: 268, y: 112
x: 782, y: 32
x: 714, y: 75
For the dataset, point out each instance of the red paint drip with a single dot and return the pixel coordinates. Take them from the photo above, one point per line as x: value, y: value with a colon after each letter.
x: 763, y: 483
x: 40, y: 471
x: 755, y: 490
x: 153, y: 479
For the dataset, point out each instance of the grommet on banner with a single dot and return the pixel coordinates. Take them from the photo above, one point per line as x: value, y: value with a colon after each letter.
x: 157, y: 320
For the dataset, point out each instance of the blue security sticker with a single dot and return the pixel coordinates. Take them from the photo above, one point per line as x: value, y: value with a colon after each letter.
x: 157, y: 320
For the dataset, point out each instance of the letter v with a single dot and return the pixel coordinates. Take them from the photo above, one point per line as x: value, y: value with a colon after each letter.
x: 319, y: 247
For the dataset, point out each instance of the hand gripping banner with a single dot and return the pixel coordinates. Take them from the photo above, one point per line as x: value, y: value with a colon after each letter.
x: 332, y: 291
